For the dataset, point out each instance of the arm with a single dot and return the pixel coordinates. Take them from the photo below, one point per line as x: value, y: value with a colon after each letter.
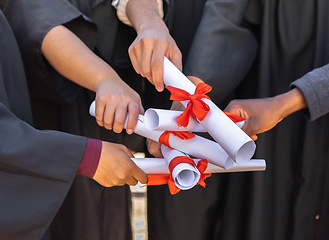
x: 262, y: 115
x: 37, y: 169
x: 311, y: 95
x: 152, y: 43
x: 75, y: 61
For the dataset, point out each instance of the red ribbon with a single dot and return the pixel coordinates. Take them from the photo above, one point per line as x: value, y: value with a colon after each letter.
x: 234, y: 117
x: 164, y: 138
x: 196, y: 107
x: 160, y: 179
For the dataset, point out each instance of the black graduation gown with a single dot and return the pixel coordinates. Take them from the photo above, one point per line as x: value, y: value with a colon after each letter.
x: 37, y: 168
x: 90, y: 211
x: 290, y: 199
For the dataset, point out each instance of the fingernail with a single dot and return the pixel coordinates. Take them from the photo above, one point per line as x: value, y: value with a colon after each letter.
x: 130, y: 131
x: 159, y: 89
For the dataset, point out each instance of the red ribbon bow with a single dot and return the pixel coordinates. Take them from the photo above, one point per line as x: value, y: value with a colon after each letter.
x: 196, y: 107
x: 160, y: 179
x: 164, y: 138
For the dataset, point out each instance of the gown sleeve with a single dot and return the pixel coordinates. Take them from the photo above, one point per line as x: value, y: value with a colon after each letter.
x: 31, y: 21
x: 37, y: 169
x: 315, y: 88
x: 223, y: 49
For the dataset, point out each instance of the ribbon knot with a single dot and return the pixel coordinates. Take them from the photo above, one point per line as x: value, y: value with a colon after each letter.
x: 160, y: 179
x: 202, y: 166
x: 164, y: 138
x: 196, y: 107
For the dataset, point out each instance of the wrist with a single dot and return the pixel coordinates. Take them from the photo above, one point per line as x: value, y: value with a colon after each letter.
x: 144, y: 14
x: 290, y: 102
x: 151, y: 23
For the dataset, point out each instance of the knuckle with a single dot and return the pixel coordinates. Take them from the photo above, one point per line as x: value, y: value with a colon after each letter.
x: 108, y: 121
x: 156, y: 64
x: 146, y: 71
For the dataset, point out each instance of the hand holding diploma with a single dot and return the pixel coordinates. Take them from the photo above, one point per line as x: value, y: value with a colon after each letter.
x: 197, y: 146
x: 231, y: 152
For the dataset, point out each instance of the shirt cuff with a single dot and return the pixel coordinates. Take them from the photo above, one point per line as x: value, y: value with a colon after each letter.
x: 90, y: 159
x: 120, y: 5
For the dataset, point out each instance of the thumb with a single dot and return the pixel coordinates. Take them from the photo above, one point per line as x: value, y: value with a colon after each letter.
x: 140, y: 175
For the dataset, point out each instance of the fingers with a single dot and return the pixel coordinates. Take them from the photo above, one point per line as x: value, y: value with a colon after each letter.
x: 139, y: 176
x: 154, y: 148
x: 134, y: 111
x: 120, y: 118
x: 176, y: 58
x: 135, y: 54
x: 157, y: 68
x: 131, y: 181
x: 147, y: 53
x: 145, y: 63
x: 254, y: 137
x: 99, y: 113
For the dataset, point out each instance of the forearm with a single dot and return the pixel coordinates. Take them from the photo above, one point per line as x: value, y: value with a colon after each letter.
x: 74, y: 60
x: 290, y: 102
x: 144, y: 14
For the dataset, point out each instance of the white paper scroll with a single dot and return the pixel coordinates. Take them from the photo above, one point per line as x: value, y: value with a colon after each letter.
x: 165, y: 120
x: 159, y: 166
x: 198, y: 147
x: 233, y: 140
x: 185, y: 175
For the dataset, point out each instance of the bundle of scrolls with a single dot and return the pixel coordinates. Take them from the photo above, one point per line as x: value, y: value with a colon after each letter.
x: 231, y: 150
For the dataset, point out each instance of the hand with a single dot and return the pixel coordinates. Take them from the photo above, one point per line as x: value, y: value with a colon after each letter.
x: 263, y: 114
x: 260, y: 115
x: 115, y: 168
x: 147, y: 53
x: 114, y: 99
x: 154, y: 148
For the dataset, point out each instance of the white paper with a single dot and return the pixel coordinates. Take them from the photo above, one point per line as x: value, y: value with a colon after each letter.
x: 198, y: 147
x: 166, y: 120
x: 159, y: 166
x: 185, y: 175
x: 92, y: 109
x: 238, y: 145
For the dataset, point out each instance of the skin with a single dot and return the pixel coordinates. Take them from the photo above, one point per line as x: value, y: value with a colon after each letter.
x: 152, y: 43
x: 115, y: 168
x: 114, y: 100
x: 260, y: 115
x: 263, y: 114
x: 75, y: 61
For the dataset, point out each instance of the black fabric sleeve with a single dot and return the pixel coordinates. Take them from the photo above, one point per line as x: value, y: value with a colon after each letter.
x: 31, y: 21
x: 36, y: 171
x: 315, y: 88
x: 223, y: 50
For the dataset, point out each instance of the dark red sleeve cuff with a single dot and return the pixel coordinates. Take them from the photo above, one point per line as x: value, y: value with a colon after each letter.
x: 90, y: 159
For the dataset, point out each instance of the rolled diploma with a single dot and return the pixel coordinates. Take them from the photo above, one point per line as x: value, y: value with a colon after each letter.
x: 159, y: 119
x: 159, y: 166
x: 239, y: 146
x: 185, y: 175
x: 198, y: 147
x: 166, y: 120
